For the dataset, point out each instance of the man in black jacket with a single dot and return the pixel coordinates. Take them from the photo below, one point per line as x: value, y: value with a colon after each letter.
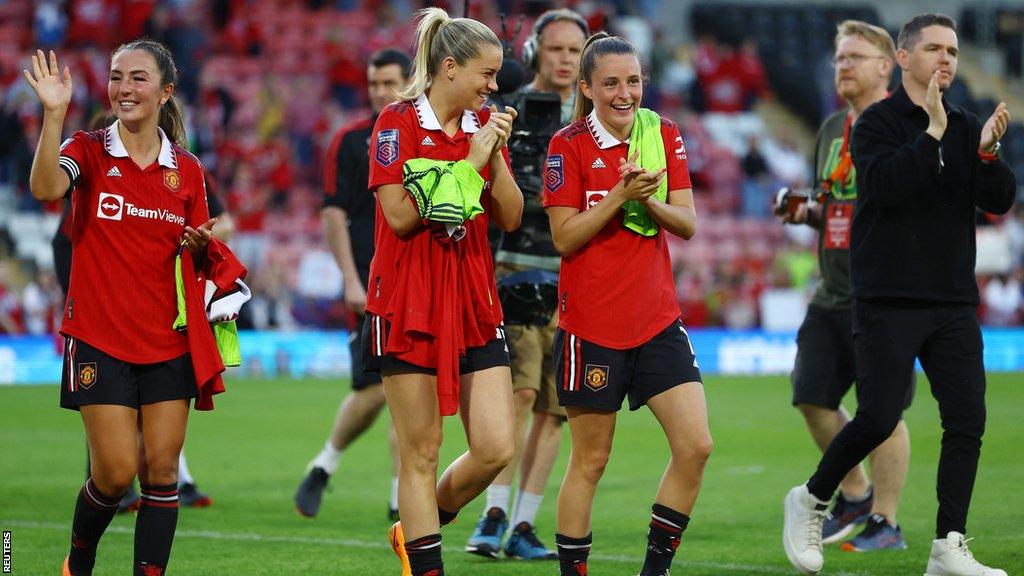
x: 923, y: 167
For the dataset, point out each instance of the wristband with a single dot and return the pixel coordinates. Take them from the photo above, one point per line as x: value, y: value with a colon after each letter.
x: 990, y: 156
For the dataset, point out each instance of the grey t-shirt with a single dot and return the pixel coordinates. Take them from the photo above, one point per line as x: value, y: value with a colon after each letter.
x: 836, y: 217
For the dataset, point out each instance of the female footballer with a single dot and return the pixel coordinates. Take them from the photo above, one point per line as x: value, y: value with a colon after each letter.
x: 137, y: 195
x: 433, y: 318
x: 603, y: 175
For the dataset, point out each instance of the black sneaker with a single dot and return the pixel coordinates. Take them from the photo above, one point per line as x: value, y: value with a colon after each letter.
x: 393, y: 514
x: 877, y: 535
x: 190, y: 496
x: 311, y: 492
x: 845, y: 517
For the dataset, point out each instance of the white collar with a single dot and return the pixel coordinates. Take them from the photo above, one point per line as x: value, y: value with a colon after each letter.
x: 601, y: 135
x: 115, y: 147
x: 428, y: 119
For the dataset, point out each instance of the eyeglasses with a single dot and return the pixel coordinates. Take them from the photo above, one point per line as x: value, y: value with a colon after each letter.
x: 851, y: 59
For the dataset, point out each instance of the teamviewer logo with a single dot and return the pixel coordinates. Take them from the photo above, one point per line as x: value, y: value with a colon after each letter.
x: 110, y: 206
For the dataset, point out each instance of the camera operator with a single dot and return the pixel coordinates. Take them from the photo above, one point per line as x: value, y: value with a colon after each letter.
x: 527, y: 266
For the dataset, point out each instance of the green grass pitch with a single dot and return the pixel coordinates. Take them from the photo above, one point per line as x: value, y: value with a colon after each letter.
x: 250, y: 454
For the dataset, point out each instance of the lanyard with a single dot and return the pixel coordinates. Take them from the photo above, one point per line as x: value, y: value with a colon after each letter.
x: 842, y: 169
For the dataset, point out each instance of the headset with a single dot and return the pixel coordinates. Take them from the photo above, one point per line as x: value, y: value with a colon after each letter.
x: 531, y: 46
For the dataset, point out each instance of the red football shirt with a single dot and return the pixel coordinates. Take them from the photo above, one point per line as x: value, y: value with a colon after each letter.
x: 617, y: 290
x: 126, y: 225
x: 406, y: 130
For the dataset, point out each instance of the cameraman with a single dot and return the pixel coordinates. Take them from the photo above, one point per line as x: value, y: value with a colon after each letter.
x: 864, y: 61
x: 553, y: 52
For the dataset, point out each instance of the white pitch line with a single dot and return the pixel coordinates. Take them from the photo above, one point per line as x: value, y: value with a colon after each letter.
x: 350, y: 543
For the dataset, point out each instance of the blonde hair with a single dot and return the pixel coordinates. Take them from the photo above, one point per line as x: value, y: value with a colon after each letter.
x: 439, y: 37
x: 874, y: 35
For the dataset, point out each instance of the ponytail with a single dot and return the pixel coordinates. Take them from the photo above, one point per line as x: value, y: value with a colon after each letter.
x: 438, y: 37
x: 600, y: 44
x: 172, y: 117
x: 172, y: 122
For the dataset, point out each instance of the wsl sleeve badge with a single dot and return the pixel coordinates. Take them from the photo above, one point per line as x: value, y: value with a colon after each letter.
x: 554, y: 172
x: 387, y: 147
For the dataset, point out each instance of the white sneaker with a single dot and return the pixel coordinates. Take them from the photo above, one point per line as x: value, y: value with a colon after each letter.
x: 951, y: 557
x: 801, y: 530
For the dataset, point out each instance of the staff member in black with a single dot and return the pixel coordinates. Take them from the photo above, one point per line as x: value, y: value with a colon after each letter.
x: 348, y: 215
x: 923, y: 167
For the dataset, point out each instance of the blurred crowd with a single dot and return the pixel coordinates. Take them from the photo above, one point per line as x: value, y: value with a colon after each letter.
x: 267, y: 82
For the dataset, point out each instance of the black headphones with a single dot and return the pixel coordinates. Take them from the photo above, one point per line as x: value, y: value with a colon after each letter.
x: 531, y: 46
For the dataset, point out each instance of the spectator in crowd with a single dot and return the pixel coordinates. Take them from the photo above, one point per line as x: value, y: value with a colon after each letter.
x: 730, y: 76
x: 41, y: 300
x: 10, y: 306
x: 757, y: 180
x: 1002, y: 300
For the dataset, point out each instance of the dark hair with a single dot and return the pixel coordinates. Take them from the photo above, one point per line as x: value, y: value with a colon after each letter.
x: 389, y: 56
x: 600, y: 44
x: 99, y: 120
x: 911, y: 31
x: 172, y: 118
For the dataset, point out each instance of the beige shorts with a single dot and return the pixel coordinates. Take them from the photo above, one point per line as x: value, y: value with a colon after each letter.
x: 533, y: 366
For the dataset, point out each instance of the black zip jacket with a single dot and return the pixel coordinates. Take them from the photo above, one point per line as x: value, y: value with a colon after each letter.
x: 913, y: 225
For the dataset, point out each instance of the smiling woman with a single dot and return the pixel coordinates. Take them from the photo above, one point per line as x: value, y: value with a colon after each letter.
x: 615, y: 178
x: 137, y: 196
x: 434, y: 323
x: 142, y: 80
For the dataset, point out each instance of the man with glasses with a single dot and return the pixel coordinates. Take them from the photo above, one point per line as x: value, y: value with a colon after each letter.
x: 924, y: 169
x: 824, y: 370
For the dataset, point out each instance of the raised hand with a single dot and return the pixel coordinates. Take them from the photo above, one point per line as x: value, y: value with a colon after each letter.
x: 628, y: 168
x: 641, y: 185
x: 52, y: 87
x: 502, y: 122
x: 933, y: 106
x: 481, y: 146
x: 195, y: 239
x: 995, y: 127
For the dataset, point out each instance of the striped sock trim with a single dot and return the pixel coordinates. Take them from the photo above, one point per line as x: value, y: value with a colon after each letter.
x: 659, y: 522
x: 425, y: 555
x: 424, y: 543
x: 665, y: 533
x: 668, y: 519
x: 160, y: 496
x: 575, y: 544
x: 96, y: 499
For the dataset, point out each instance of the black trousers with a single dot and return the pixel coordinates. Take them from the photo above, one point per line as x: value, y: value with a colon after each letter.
x: 887, y: 338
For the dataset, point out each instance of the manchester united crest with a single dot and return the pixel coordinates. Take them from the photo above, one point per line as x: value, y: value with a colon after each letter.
x: 172, y: 179
x: 596, y: 377
x: 86, y: 374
